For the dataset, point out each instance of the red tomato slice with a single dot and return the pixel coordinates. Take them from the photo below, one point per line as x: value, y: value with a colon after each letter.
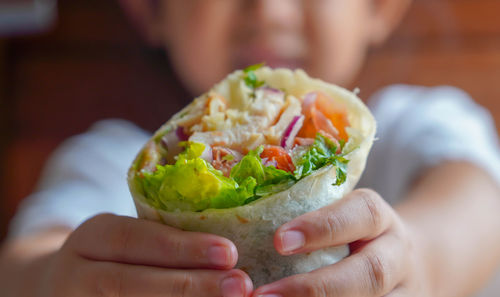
x: 280, y: 156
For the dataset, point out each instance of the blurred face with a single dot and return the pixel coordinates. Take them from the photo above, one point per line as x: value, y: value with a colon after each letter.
x: 207, y: 39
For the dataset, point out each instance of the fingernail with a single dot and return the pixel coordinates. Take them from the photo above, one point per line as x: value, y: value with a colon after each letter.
x: 218, y: 255
x: 292, y: 240
x: 232, y: 287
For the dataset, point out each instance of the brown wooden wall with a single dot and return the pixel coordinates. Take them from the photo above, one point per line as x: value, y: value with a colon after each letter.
x: 455, y: 42
x: 92, y: 65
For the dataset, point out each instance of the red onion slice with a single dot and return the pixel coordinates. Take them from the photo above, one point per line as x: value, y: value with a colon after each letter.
x: 291, y: 131
x: 180, y: 134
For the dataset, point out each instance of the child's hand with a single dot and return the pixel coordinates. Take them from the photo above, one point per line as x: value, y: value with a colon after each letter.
x: 119, y: 256
x: 383, y: 260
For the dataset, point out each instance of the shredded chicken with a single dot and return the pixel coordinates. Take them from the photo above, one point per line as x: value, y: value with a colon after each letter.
x: 292, y: 109
x: 240, y: 130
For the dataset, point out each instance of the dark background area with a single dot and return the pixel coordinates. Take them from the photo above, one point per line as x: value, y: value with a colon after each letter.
x: 93, y: 65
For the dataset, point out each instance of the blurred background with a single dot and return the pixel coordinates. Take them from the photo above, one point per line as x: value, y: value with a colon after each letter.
x: 67, y: 64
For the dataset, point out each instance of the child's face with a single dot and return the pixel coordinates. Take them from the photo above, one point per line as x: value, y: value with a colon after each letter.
x: 207, y: 39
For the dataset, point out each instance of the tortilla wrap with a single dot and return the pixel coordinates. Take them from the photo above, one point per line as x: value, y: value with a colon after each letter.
x: 251, y: 227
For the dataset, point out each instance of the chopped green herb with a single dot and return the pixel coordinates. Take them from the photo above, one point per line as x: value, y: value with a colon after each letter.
x: 322, y: 153
x: 341, y: 164
x: 253, y: 67
x: 250, y: 78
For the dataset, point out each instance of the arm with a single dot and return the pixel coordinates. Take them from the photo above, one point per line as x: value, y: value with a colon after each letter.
x: 454, y: 211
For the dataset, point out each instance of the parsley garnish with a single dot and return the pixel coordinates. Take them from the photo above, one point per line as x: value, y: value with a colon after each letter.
x: 250, y: 78
x: 253, y: 67
x: 322, y: 153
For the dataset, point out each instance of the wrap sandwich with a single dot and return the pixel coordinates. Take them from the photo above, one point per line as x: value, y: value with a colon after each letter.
x: 259, y: 149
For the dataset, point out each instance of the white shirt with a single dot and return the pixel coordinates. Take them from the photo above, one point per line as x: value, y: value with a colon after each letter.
x: 417, y: 127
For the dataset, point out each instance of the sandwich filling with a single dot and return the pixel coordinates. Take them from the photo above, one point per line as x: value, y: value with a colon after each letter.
x: 220, y: 155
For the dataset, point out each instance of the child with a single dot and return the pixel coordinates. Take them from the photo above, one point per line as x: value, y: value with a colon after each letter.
x: 436, y: 162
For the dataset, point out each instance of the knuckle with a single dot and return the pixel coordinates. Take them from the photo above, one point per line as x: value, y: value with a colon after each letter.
x: 374, y: 206
x: 378, y: 273
x: 334, y: 224
x: 181, y: 284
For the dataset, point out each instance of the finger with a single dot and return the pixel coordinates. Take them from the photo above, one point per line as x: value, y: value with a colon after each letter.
x: 374, y: 271
x: 116, y: 279
x: 128, y: 240
x: 361, y: 215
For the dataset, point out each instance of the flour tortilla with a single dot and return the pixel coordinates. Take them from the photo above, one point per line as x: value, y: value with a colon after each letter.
x: 251, y: 227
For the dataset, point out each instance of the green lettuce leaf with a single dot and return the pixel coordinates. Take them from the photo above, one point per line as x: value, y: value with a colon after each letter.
x: 250, y: 165
x: 320, y: 154
x: 276, y: 181
x: 269, y: 179
x: 192, y: 150
x: 193, y: 184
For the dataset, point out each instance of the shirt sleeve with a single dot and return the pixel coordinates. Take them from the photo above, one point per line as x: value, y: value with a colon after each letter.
x: 85, y: 176
x: 420, y: 127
